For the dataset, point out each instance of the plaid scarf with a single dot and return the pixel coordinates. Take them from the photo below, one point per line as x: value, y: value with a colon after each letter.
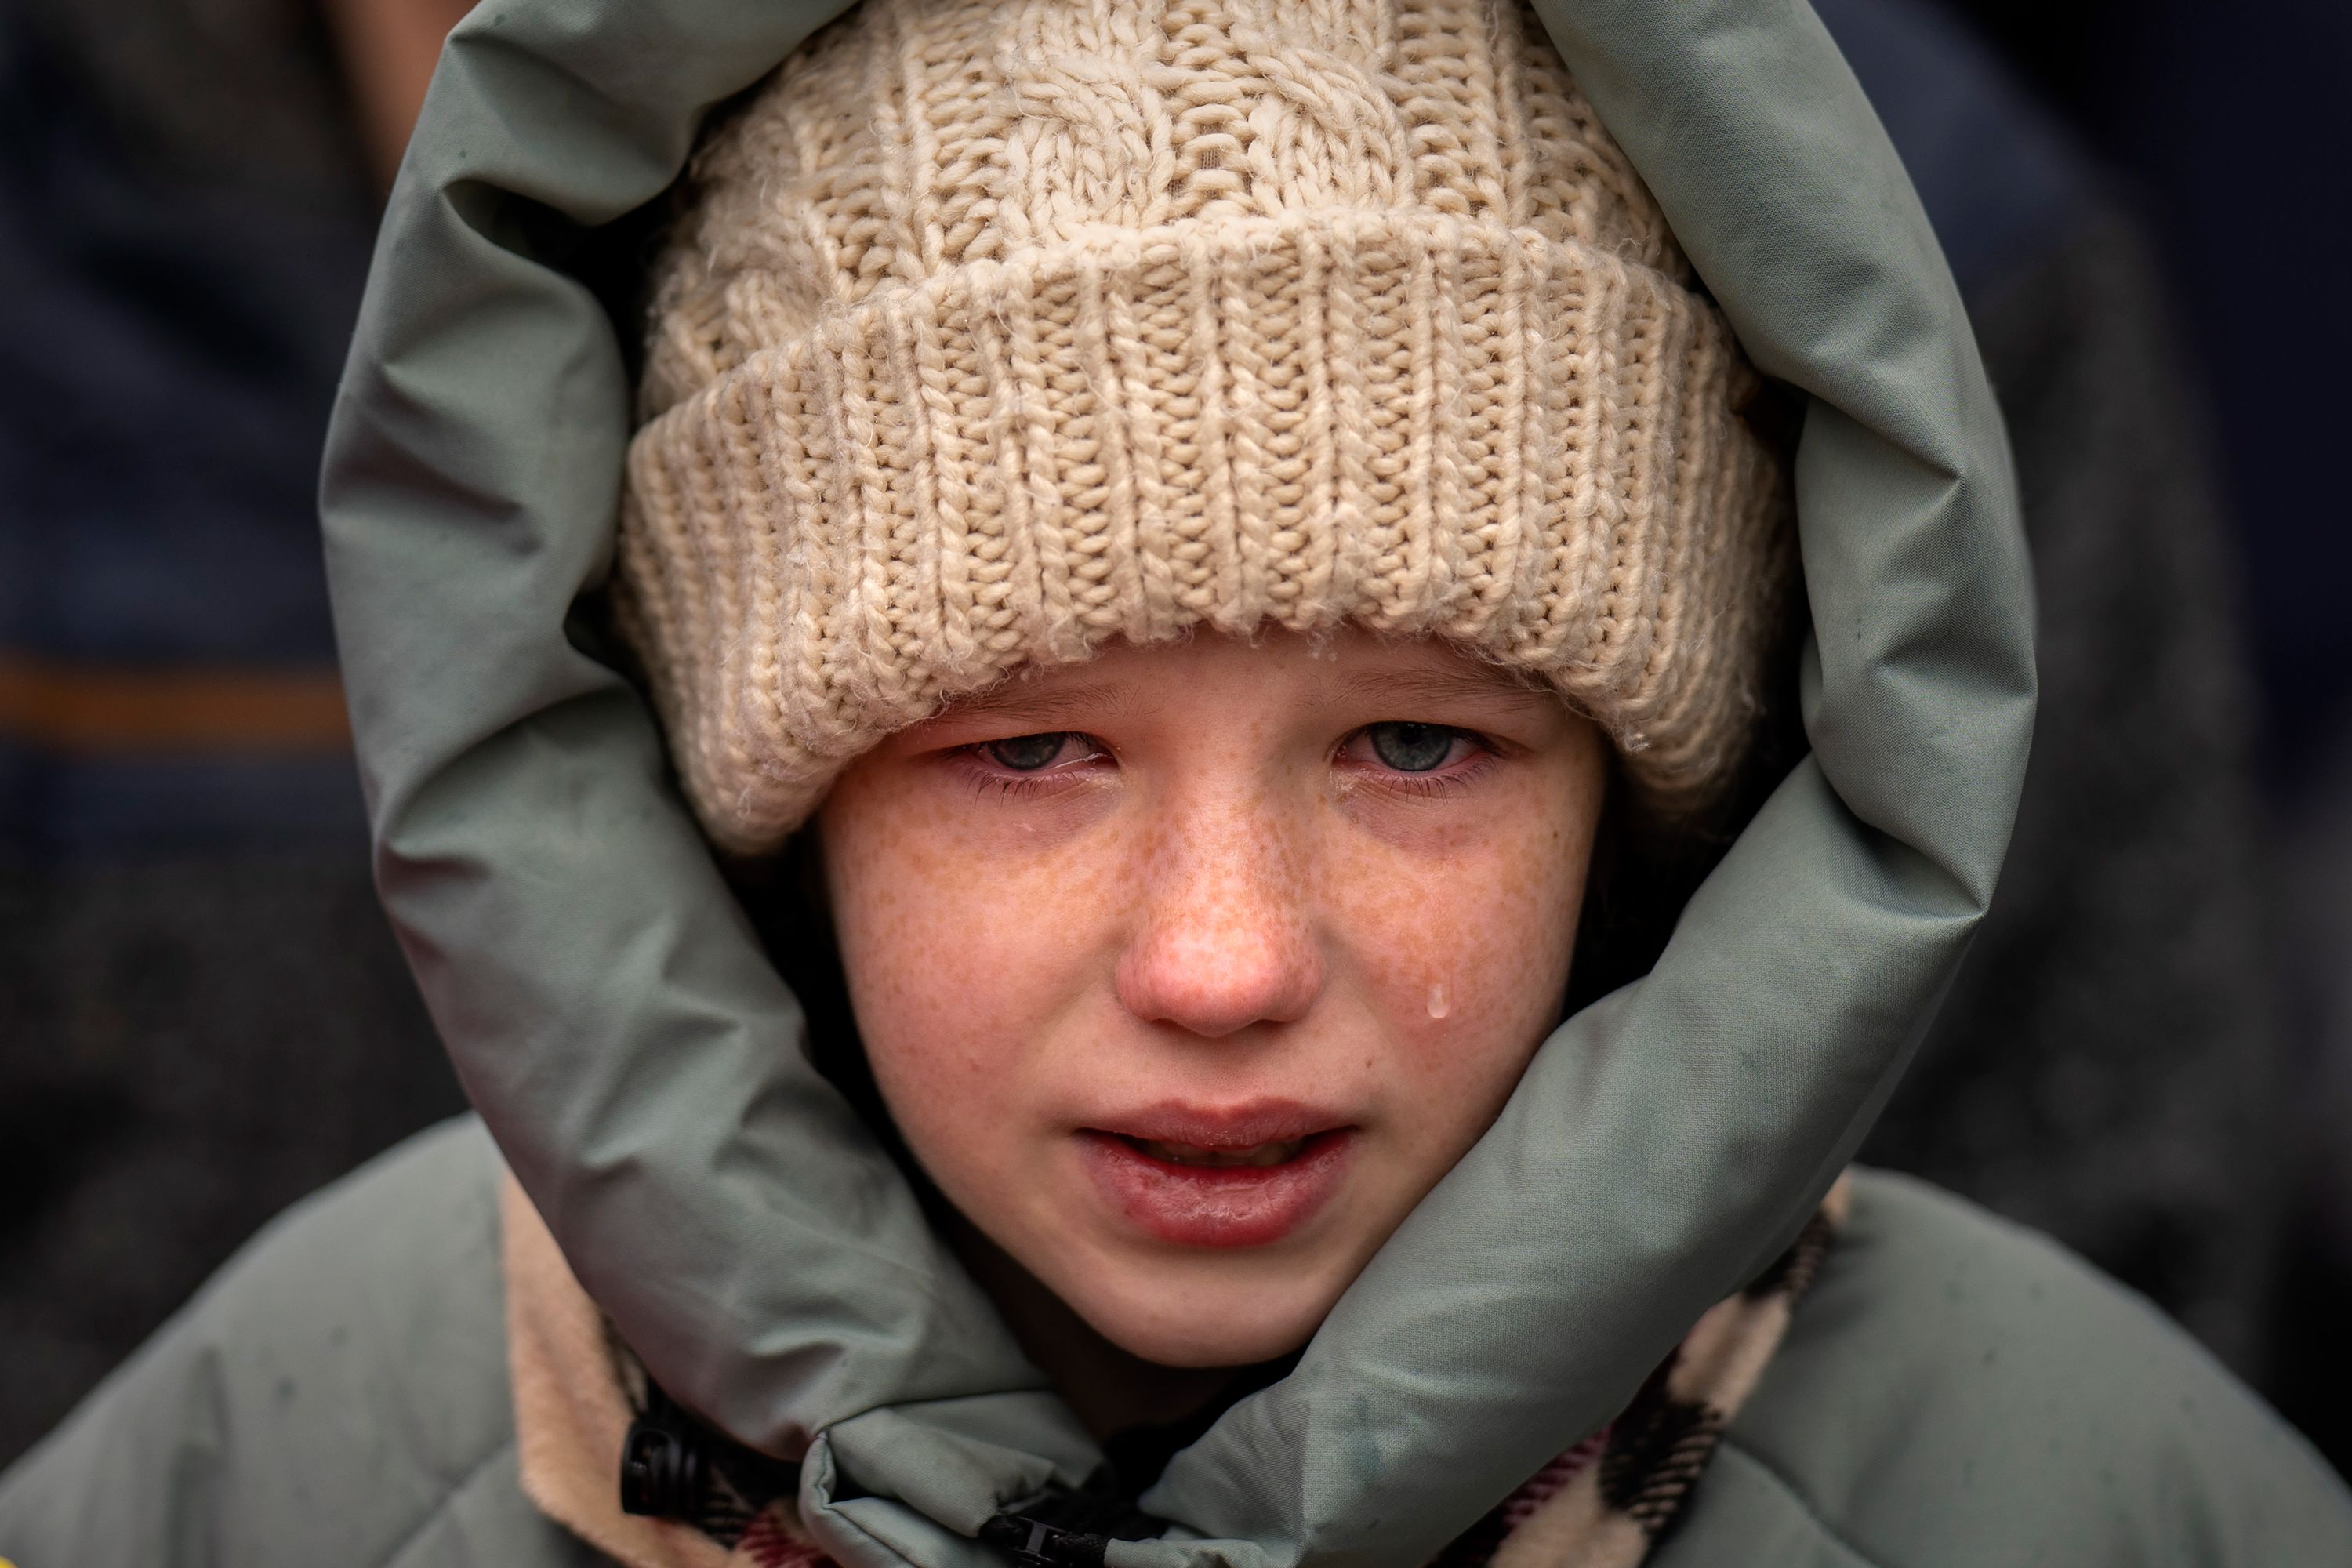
x: 587, y: 1417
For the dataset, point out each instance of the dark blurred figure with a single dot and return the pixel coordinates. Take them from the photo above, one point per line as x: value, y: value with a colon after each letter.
x: 2229, y: 121
x: 205, y: 1017
x: 201, y: 1013
x: 2134, y: 1106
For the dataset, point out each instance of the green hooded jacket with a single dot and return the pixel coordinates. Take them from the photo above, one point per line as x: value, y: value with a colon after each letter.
x: 1950, y: 1390
x: 1953, y: 1393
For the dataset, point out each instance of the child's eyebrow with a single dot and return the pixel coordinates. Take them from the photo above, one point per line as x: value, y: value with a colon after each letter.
x: 1017, y: 698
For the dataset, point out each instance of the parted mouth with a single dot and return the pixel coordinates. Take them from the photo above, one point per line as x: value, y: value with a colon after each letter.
x: 1255, y: 1134
x: 1223, y: 1181
x: 1273, y: 1151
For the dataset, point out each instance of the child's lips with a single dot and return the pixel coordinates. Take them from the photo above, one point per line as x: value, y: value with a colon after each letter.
x: 1229, y: 1194
x: 1273, y: 1151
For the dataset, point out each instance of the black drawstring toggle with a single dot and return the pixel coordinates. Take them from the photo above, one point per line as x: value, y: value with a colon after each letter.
x: 1034, y: 1543
x: 661, y: 1464
x: 1070, y: 1528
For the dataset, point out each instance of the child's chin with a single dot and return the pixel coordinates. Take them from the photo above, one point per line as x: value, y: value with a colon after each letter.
x: 1207, y: 1325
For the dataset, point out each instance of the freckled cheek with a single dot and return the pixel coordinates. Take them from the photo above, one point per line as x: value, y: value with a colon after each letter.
x: 1467, y: 958
x: 960, y: 961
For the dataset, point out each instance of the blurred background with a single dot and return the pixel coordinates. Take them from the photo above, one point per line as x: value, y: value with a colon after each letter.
x: 202, y: 1016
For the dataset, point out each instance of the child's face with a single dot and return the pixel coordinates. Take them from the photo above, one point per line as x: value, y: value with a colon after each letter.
x: 1186, y: 972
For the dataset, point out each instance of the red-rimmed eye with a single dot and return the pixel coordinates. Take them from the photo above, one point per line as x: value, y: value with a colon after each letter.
x: 1029, y: 753
x: 1413, y: 748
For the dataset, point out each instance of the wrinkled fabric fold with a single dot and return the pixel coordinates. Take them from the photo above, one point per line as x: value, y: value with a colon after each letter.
x: 643, y: 1068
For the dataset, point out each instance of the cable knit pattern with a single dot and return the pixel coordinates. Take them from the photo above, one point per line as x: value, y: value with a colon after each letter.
x: 999, y: 329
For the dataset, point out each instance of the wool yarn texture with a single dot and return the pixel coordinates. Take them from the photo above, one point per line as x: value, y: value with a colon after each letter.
x: 991, y: 330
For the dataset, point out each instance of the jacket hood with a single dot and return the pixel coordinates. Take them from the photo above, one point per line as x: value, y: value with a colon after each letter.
x: 642, y: 1065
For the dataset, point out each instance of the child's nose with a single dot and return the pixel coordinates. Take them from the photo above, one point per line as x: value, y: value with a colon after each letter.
x: 1226, y: 937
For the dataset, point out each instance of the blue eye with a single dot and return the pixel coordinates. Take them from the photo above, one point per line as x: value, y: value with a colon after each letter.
x: 1028, y: 753
x: 1411, y: 748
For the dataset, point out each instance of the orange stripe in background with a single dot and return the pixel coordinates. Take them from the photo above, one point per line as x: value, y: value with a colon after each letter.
x: 82, y: 708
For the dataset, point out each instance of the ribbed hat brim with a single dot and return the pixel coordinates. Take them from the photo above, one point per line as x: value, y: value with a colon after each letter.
x: 1442, y: 428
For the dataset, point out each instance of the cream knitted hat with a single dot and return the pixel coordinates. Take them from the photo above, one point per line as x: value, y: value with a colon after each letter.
x: 998, y: 329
